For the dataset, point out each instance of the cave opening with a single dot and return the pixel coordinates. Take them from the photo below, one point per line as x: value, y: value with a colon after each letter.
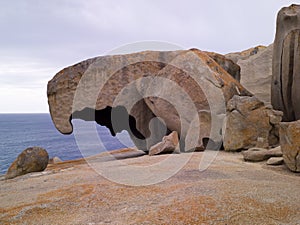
x: 115, y: 119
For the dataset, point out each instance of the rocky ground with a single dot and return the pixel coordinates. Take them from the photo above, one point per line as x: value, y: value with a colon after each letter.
x: 230, y: 191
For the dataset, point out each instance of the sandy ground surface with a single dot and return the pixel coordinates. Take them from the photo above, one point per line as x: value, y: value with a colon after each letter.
x: 230, y: 191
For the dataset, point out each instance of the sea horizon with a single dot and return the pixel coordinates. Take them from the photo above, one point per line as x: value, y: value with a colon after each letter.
x: 19, y: 131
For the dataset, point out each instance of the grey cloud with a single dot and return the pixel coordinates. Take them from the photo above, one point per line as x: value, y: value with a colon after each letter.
x: 59, y: 33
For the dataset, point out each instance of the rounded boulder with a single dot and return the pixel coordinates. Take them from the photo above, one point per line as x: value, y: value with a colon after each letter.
x: 33, y: 159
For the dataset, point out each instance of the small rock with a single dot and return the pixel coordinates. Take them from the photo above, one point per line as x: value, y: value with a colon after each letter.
x: 169, y: 144
x: 55, y: 160
x: 275, y: 161
x: 33, y: 159
x: 261, y: 154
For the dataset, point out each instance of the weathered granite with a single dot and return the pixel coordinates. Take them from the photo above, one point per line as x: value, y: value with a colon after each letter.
x: 230, y: 191
x: 33, y: 159
x: 173, y: 86
x: 227, y: 64
x: 249, y: 123
x: 169, y: 144
x: 261, y: 154
x: 256, y: 70
x: 246, y: 54
x: 275, y: 161
x: 286, y: 63
x: 290, y: 144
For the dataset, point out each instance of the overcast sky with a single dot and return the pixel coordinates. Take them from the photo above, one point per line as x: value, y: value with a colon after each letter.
x: 39, y: 38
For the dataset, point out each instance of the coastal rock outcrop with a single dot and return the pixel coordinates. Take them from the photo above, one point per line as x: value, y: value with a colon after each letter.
x: 286, y: 64
x: 144, y: 93
x: 169, y: 144
x: 290, y: 144
x: 33, y: 159
x: 249, y: 123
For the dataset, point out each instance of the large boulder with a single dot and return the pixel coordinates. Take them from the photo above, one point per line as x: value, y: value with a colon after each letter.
x: 33, y: 159
x: 256, y: 70
x: 290, y: 144
x: 249, y: 123
x: 144, y: 93
x: 286, y: 63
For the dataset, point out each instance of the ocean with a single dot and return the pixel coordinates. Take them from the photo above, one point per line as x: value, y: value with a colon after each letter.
x: 20, y: 131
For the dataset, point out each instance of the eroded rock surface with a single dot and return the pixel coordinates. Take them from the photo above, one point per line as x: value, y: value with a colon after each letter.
x: 256, y: 70
x: 227, y: 64
x: 275, y: 161
x: 290, y: 144
x: 286, y: 63
x: 33, y: 159
x: 246, y: 54
x: 261, y: 154
x: 169, y: 144
x: 229, y: 191
x: 140, y: 87
x: 249, y: 123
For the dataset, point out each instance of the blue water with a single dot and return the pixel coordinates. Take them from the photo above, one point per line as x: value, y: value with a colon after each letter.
x: 20, y: 131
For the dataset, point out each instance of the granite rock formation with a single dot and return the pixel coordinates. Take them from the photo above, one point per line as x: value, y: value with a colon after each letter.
x: 169, y: 144
x: 227, y: 64
x: 275, y: 161
x: 286, y: 64
x: 261, y: 154
x: 209, y: 127
x: 147, y: 93
x: 256, y: 70
x: 249, y: 123
x: 290, y: 144
x: 246, y: 54
x: 33, y: 159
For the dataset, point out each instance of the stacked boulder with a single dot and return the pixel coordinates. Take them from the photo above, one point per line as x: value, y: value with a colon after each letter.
x: 249, y: 123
